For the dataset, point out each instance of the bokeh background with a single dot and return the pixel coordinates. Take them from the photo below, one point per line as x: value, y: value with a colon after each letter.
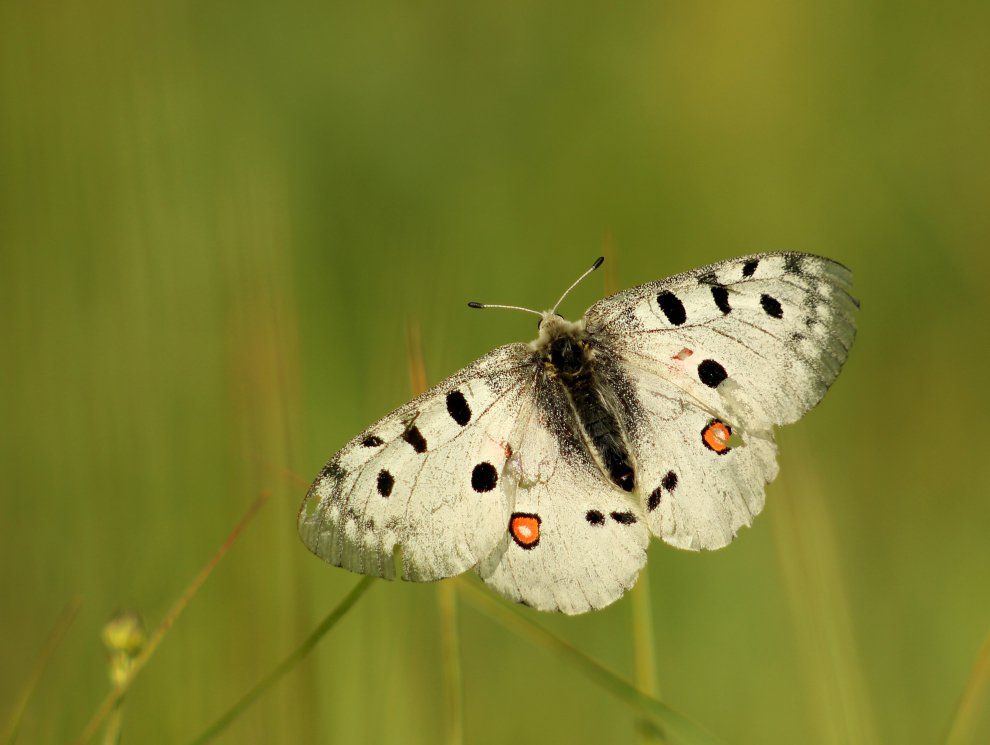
x: 218, y: 220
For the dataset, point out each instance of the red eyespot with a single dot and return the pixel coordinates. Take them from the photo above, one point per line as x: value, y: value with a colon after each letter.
x: 716, y: 436
x: 525, y: 529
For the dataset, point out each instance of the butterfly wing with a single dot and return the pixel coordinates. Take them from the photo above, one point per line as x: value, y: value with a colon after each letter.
x: 426, y: 477
x: 717, y: 356
x: 701, y: 474
x: 574, y: 542
x: 484, y: 470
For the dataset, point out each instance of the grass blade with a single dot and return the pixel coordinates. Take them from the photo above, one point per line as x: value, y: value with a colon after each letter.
x: 675, y: 725
x: 288, y: 663
x: 644, y: 653
x: 450, y: 644
x: 117, y: 694
x: 62, y: 624
x: 815, y: 590
x: 450, y: 650
x: 974, y: 699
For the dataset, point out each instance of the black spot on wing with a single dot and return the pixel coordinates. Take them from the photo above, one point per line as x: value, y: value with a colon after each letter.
x: 771, y: 306
x: 749, y: 268
x: 711, y: 373
x: 594, y: 517
x: 385, y: 483
x: 334, y: 472
x: 721, y: 297
x: 484, y: 477
x: 654, y: 499
x: 371, y: 441
x: 672, y: 307
x: 669, y: 482
x: 457, y: 407
x: 624, y: 518
x: 414, y: 437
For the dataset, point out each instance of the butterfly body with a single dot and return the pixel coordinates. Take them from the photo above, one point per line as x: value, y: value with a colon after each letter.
x: 547, y: 466
x: 580, y: 380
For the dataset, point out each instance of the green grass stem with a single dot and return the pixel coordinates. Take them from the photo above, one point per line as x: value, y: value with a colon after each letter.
x: 288, y: 663
x: 113, y: 699
x: 63, y: 622
x: 450, y: 644
x: 450, y: 650
x: 974, y: 700
x: 815, y: 589
x: 678, y: 727
x: 644, y: 651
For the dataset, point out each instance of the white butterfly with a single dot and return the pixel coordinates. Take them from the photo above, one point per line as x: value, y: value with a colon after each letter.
x: 546, y: 466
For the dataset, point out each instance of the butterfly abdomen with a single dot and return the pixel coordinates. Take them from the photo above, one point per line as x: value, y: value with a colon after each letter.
x: 573, y: 365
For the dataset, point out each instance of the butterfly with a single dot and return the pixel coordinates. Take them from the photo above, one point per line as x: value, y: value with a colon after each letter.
x: 546, y: 467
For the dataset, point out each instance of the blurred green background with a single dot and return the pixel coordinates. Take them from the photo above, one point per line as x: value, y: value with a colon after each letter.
x: 217, y: 220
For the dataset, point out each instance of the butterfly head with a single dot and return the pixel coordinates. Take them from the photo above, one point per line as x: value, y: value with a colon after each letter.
x: 553, y: 326
x: 563, y: 342
x: 551, y: 323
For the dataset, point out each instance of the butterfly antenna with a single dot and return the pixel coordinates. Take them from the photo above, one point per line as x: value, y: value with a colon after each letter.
x: 508, y: 307
x: 598, y: 263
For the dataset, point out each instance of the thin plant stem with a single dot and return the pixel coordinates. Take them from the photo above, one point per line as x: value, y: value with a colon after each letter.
x: 815, y: 590
x: 417, y: 368
x: 115, y: 696
x: 642, y: 626
x: 644, y: 652
x: 115, y: 723
x: 65, y: 618
x: 288, y: 663
x: 974, y: 699
x: 450, y: 644
x: 451, y: 652
x: 675, y: 725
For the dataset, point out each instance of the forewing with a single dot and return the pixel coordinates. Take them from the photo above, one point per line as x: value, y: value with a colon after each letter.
x: 426, y: 477
x: 717, y: 356
x: 762, y: 336
x: 574, y: 542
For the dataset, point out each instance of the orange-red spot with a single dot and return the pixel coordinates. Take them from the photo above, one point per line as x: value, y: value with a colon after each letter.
x: 525, y: 529
x: 716, y: 436
x: 683, y: 354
